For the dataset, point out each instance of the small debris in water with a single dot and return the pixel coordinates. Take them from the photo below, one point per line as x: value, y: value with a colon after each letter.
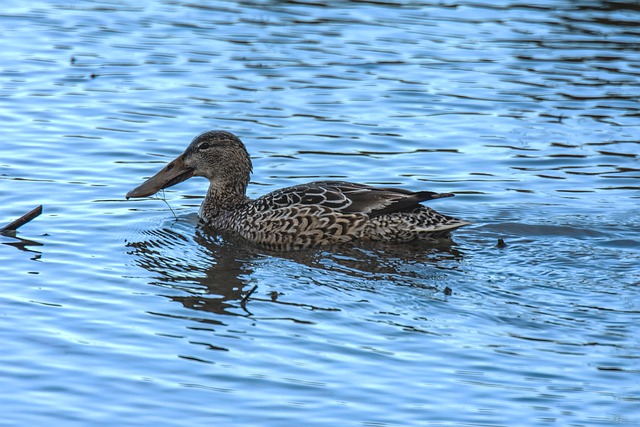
x: 244, y: 300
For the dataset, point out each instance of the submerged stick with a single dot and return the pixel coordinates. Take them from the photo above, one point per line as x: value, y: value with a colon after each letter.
x: 22, y: 220
x: 244, y: 300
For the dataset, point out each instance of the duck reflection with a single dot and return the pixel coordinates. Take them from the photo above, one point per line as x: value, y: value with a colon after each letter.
x: 216, y: 272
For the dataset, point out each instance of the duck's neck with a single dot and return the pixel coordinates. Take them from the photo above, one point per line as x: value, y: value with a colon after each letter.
x: 223, y: 196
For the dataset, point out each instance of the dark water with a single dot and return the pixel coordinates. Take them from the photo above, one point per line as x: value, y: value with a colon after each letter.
x: 115, y: 313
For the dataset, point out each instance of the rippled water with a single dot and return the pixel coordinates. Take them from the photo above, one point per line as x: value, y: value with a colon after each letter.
x: 118, y: 313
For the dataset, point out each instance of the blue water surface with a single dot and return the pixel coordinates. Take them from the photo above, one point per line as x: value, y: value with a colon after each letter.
x: 129, y: 313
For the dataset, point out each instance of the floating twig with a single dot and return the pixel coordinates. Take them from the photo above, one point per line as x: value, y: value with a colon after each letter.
x: 22, y: 220
x: 243, y: 301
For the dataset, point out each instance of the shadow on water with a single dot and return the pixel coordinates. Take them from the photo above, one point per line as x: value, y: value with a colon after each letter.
x: 217, y: 273
x: 23, y: 244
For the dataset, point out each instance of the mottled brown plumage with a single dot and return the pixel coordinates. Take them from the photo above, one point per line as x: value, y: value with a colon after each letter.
x: 302, y: 216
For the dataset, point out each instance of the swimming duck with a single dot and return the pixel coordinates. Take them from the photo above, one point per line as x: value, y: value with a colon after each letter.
x: 302, y: 216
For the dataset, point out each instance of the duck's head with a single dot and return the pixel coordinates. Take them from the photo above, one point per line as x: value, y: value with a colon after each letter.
x: 218, y: 156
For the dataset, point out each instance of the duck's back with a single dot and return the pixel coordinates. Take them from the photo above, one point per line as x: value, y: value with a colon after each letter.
x: 328, y: 212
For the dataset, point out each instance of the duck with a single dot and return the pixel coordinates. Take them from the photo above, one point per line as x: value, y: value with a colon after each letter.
x: 303, y: 216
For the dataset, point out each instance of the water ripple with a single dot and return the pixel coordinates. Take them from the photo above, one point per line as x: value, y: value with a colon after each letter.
x: 527, y: 111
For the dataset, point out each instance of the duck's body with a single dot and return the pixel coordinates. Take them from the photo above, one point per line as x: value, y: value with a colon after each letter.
x: 303, y: 216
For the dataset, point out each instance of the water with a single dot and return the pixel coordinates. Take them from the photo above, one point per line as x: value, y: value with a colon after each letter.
x: 115, y: 313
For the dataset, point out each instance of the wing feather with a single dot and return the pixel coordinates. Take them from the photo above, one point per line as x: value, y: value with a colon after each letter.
x: 348, y: 198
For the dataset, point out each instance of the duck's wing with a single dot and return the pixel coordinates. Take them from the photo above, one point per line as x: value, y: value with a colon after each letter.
x: 348, y: 198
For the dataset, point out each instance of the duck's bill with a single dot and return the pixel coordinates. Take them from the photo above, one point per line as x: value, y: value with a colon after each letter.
x: 172, y: 174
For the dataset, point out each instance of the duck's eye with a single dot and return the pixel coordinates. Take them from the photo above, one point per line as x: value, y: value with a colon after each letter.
x: 204, y: 146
